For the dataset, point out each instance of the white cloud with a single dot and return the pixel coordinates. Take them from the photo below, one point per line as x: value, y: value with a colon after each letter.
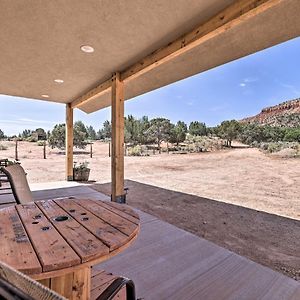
x: 26, y: 120
x: 250, y: 79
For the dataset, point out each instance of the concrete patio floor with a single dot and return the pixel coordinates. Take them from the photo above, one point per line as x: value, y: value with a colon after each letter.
x: 166, y: 262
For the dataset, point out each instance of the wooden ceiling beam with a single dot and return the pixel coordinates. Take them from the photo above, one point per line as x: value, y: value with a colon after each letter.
x: 235, y: 14
x: 92, y: 94
x: 230, y: 17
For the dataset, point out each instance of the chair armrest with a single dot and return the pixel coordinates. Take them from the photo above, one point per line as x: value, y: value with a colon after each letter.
x: 112, y: 290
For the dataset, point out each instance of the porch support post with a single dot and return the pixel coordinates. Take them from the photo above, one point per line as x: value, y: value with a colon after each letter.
x: 69, y: 142
x: 117, y: 153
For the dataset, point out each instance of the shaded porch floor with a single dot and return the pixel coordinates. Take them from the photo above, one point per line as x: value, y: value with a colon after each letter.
x: 166, y: 262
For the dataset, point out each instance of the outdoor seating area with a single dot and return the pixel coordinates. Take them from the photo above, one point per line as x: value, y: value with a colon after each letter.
x: 56, y: 242
x: 166, y: 262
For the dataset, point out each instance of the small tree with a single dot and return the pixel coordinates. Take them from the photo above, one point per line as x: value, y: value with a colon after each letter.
x: 229, y: 130
x: 1, y: 134
x: 26, y: 133
x: 292, y: 135
x: 178, y: 133
x: 159, y: 130
x: 197, y: 128
x: 130, y: 129
x: 106, y: 129
x: 91, y: 132
x: 57, y: 137
x: 143, y: 125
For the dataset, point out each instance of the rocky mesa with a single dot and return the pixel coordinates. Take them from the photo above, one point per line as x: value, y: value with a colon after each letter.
x: 286, y: 114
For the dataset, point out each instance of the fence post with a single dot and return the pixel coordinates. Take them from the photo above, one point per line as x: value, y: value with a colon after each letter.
x: 16, y: 150
x: 44, y: 146
x: 91, y: 150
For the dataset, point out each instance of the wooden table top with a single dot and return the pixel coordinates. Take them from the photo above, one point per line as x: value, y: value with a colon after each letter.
x: 56, y: 236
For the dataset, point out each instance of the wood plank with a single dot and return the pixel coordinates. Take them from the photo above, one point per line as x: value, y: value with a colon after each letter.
x: 109, y: 235
x: 69, y: 142
x: 82, y: 284
x: 101, y: 278
x: 123, y: 225
x: 16, y: 249
x: 101, y: 282
x: 117, y: 137
x: 85, y: 244
x: 92, y: 94
x: 52, y: 249
x: 46, y: 282
x: 179, y: 265
x: 75, y: 285
x: 122, y: 210
x: 63, y: 285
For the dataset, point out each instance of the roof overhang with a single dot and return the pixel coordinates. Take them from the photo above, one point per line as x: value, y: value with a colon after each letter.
x: 41, y: 42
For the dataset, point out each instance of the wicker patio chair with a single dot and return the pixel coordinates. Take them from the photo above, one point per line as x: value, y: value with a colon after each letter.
x: 18, y: 182
x: 16, y: 285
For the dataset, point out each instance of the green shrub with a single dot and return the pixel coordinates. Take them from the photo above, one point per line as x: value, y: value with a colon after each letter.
x: 135, y: 151
x: 40, y: 143
x: 31, y: 139
x: 274, y: 147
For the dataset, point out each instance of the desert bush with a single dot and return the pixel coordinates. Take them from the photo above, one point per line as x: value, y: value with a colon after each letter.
x: 40, y: 143
x: 31, y: 139
x: 292, y: 149
x: 288, y: 153
x: 274, y: 147
x: 3, y: 147
x: 135, y: 151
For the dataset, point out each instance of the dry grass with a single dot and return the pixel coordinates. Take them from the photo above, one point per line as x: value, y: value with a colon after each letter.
x: 242, y: 176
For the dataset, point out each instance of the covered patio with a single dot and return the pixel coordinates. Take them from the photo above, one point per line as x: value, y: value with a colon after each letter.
x: 166, y: 262
x: 89, y: 55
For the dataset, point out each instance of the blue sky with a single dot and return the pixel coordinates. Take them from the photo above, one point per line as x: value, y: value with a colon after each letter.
x: 232, y: 91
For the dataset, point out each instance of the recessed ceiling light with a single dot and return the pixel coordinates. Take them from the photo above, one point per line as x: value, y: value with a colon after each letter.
x: 87, y: 49
x: 45, y: 96
x: 58, y: 80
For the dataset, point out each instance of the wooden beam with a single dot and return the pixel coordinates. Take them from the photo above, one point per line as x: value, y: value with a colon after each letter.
x: 92, y: 94
x: 69, y: 142
x: 117, y: 153
x: 235, y: 14
x: 230, y: 17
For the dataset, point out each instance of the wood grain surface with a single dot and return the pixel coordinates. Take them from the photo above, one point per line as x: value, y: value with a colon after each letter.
x: 50, y: 236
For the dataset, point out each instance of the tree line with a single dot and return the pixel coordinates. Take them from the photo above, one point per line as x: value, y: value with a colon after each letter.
x: 157, y: 130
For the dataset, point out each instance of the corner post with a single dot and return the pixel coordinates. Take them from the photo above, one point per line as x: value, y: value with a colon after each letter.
x: 117, y: 139
x: 69, y: 142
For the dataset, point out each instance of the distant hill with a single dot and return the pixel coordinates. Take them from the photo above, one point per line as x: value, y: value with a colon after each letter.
x: 286, y: 114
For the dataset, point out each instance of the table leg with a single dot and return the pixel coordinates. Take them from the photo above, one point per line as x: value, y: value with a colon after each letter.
x: 75, y: 285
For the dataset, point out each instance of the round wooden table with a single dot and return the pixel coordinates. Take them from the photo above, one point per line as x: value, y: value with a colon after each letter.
x: 57, y: 241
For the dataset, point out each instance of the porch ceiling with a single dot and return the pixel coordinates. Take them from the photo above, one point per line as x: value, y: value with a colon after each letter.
x: 40, y: 41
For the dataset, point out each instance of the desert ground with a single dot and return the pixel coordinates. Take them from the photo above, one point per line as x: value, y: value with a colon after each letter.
x: 242, y: 176
x: 240, y: 198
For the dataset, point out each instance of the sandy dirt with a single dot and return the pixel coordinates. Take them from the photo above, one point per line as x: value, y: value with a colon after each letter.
x: 257, y: 195
x: 242, y: 176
